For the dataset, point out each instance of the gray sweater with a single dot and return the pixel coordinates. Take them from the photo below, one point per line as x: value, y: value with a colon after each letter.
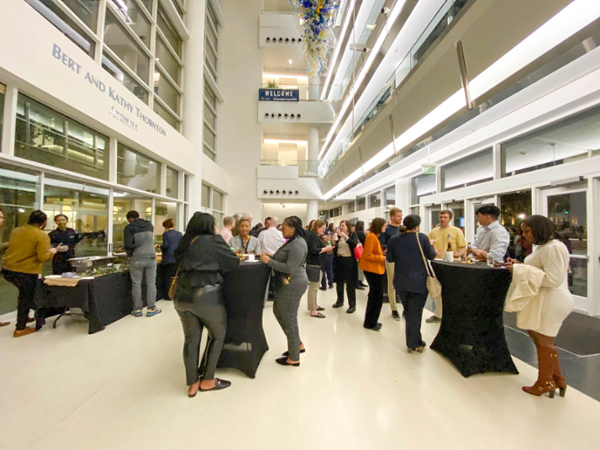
x: 139, y: 240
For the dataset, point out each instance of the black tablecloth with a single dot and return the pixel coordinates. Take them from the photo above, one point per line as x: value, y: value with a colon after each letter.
x: 245, y: 342
x: 104, y: 299
x: 472, y: 331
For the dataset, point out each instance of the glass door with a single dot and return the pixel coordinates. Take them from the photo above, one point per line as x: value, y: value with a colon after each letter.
x: 433, y: 213
x: 123, y: 203
x: 567, y: 208
x: 19, y: 197
x: 476, y: 204
x: 458, y: 214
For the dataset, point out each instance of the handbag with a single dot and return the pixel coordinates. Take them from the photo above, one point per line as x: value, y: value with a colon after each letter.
x: 313, y: 273
x: 434, y: 287
x: 173, y: 287
x: 358, y: 251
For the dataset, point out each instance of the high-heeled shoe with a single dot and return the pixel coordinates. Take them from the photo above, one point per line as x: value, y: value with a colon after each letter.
x: 559, y: 380
x: 284, y: 362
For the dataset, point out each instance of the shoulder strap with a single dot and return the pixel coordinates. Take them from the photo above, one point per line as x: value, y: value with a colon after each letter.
x: 428, y: 268
x: 179, y: 266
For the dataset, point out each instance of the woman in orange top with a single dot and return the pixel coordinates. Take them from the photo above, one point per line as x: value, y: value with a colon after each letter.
x: 372, y: 263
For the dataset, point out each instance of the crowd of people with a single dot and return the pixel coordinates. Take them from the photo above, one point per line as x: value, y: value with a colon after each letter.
x: 391, y: 255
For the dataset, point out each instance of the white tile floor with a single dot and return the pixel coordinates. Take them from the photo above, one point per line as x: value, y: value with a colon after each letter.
x: 124, y: 388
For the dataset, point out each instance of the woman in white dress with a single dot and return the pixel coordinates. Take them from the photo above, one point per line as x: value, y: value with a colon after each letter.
x: 540, y: 295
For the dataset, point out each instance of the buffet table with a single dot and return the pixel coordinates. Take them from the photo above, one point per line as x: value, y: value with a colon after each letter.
x: 103, y: 300
x: 471, y: 334
x: 245, y: 342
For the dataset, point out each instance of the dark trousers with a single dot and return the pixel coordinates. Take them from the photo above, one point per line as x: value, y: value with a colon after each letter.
x: 25, y: 283
x: 206, y: 309
x: 413, y: 311
x: 375, y: 298
x: 165, y: 272
x: 344, y: 278
x: 327, y: 270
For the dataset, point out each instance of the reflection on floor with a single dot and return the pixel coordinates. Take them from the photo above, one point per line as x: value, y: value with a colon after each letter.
x: 123, y: 388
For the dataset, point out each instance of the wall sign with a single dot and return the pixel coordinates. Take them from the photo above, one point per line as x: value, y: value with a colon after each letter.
x: 112, y: 93
x: 279, y: 95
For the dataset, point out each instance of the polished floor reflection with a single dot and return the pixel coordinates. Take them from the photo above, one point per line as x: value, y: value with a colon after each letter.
x: 124, y: 388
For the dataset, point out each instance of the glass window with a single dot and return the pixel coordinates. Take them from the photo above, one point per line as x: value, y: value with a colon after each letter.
x: 137, y: 171
x: 18, y: 190
x: 164, y: 211
x: 350, y: 207
x: 361, y: 203
x: 211, y: 34
x: 135, y: 18
x: 165, y: 90
x: 86, y: 208
x: 172, y: 183
x: 148, y: 5
x: 210, y: 96
x: 514, y: 207
x: 210, y: 153
x: 375, y: 200
x: 178, y: 8
x: 205, y: 196
x: 86, y: 10
x: 167, y: 61
x: 121, y: 43
x: 112, y: 67
x: 2, y: 96
x: 473, y: 169
x: 123, y: 203
x: 210, y: 138
x: 218, y: 201
x: 569, y: 212
x: 186, y: 188
x: 210, y: 116
x: 69, y: 28
x: 165, y: 114
x: 166, y: 26
x: 211, y: 57
x: 571, y: 139
x: 389, y: 195
x: 48, y: 137
x: 422, y: 185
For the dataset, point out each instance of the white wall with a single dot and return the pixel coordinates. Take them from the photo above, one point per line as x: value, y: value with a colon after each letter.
x: 28, y: 63
x: 290, y: 209
x: 240, y: 133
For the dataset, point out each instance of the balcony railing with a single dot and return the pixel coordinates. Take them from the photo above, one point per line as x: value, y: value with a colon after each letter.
x: 435, y: 28
x: 306, y: 169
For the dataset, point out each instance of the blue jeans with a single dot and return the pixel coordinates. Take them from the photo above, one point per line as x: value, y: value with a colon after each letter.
x: 138, y: 268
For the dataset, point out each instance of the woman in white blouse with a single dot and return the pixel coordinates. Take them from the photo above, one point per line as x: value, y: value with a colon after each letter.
x: 540, y: 295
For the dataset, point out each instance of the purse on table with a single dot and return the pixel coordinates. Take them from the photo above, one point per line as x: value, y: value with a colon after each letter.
x: 434, y: 287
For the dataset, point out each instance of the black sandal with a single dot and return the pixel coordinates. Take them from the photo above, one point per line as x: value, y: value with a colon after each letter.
x: 320, y: 308
x: 318, y: 315
x: 288, y: 353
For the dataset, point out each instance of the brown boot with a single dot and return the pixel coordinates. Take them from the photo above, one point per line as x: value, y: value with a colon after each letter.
x: 545, y: 382
x: 4, y: 324
x: 559, y: 380
x: 25, y: 332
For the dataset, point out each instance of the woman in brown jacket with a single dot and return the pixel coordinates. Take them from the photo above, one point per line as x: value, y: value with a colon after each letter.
x: 372, y: 263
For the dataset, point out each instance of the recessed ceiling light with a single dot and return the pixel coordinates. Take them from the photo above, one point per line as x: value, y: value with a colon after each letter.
x: 290, y: 61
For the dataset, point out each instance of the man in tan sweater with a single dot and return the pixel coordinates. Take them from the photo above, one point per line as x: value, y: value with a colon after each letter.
x: 28, y: 249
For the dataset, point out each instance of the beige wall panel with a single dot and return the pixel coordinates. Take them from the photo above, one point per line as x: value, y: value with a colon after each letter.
x: 501, y: 27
